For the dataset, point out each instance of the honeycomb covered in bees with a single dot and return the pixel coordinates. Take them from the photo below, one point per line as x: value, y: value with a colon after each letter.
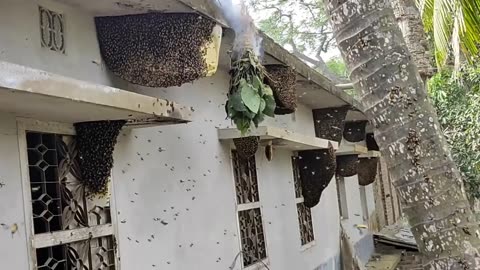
x: 282, y: 79
x: 246, y: 146
x: 156, y: 49
x: 367, y: 171
x: 347, y: 165
x: 330, y: 122
x: 355, y: 131
x: 371, y: 142
x: 95, y: 143
x: 316, y: 168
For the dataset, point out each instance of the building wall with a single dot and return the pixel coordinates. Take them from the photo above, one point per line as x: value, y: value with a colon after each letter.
x: 173, y: 185
x: 21, y: 42
x: 207, y: 233
x: 13, y: 242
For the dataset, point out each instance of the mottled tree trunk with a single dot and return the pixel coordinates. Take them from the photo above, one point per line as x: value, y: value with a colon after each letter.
x: 411, y: 25
x: 407, y: 131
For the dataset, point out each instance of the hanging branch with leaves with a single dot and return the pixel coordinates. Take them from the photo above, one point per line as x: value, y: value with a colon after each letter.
x: 249, y: 99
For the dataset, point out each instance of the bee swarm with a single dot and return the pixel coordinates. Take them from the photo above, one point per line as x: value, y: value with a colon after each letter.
x: 355, y: 131
x: 316, y: 167
x: 246, y: 146
x: 95, y: 144
x: 282, y: 79
x: 347, y: 165
x: 155, y: 49
x: 330, y: 122
x: 367, y: 171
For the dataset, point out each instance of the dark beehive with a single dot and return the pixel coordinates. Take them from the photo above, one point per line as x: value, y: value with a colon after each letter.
x: 372, y: 143
x: 95, y: 144
x: 246, y: 146
x: 329, y: 122
x: 282, y: 79
x: 316, y: 168
x: 347, y: 165
x: 155, y: 49
x: 367, y: 171
x: 355, y: 131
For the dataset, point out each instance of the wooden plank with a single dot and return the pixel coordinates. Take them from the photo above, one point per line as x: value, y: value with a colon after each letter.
x: 371, y: 154
x: 70, y: 236
x: 281, y: 138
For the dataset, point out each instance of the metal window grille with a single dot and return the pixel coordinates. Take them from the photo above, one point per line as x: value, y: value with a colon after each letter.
x: 304, y: 213
x: 249, y: 213
x: 52, y: 30
x: 71, y: 230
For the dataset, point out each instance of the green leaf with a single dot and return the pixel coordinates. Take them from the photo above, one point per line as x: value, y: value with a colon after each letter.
x: 258, y: 119
x: 270, y: 106
x: 243, y: 124
x: 263, y: 104
x: 250, y: 97
x: 236, y: 103
x: 267, y: 90
x: 257, y: 84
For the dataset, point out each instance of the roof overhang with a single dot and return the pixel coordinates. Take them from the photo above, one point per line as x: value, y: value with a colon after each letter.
x: 33, y: 93
x: 314, y: 89
x: 280, y: 138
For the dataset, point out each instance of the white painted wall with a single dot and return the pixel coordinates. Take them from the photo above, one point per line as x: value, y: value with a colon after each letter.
x: 193, y: 152
x: 13, y: 247
x: 153, y: 167
x: 21, y: 43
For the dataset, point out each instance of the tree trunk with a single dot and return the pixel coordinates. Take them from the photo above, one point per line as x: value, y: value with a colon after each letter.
x: 407, y: 131
x: 411, y: 25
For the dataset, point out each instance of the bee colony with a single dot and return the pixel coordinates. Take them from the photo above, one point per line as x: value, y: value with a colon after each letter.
x: 317, y: 167
x: 282, y: 79
x: 246, y: 146
x: 330, y: 122
x: 355, y: 131
x: 159, y: 49
x: 371, y: 142
x: 347, y: 165
x: 95, y: 143
x: 367, y: 171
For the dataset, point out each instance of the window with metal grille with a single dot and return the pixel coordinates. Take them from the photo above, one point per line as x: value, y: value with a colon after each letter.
x: 304, y: 213
x: 249, y: 213
x: 52, y: 30
x: 70, y: 228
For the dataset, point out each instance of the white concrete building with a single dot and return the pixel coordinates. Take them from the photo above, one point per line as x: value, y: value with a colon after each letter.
x: 175, y: 201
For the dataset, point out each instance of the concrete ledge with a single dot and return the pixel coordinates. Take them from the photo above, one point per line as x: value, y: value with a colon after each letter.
x: 352, y: 149
x: 32, y: 93
x: 281, y: 138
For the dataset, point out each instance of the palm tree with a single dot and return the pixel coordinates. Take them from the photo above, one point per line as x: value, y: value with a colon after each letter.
x: 407, y: 131
x: 455, y: 25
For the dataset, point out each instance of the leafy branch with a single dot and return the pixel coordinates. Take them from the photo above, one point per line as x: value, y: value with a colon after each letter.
x: 249, y: 99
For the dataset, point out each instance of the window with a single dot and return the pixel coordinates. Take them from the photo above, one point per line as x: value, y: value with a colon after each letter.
x: 69, y: 229
x: 249, y: 213
x: 52, y: 30
x: 304, y: 213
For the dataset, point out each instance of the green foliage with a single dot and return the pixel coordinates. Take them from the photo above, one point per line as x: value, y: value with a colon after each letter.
x: 249, y: 99
x: 338, y: 67
x: 455, y: 25
x: 457, y: 101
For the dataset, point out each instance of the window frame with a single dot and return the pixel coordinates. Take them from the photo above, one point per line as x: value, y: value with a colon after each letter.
x: 299, y: 200
x: 36, y: 241
x: 248, y: 206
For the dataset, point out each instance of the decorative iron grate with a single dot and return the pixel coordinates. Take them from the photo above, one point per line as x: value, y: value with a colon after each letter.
x: 305, y: 222
x: 52, y: 30
x: 253, y: 238
x: 93, y: 254
x: 59, y: 202
x: 245, y: 178
x: 296, y: 178
x: 304, y: 213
